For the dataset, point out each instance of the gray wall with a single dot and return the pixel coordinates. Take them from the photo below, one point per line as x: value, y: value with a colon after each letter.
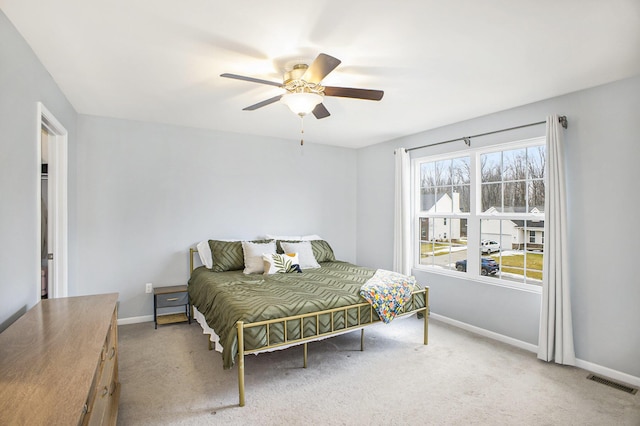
x: 23, y: 83
x: 148, y: 192
x: 602, y: 150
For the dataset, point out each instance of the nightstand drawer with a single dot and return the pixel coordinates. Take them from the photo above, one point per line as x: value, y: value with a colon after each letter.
x: 171, y: 299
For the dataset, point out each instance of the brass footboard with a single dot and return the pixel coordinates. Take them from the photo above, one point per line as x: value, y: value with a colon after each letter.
x: 361, y: 323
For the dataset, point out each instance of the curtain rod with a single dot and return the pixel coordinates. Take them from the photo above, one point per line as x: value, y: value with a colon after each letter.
x: 467, y: 139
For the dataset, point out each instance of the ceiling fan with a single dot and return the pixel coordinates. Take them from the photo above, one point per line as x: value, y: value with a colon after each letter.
x: 303, y: 91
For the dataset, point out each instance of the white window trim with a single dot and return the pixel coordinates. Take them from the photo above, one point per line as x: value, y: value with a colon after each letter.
x: 473, y: 262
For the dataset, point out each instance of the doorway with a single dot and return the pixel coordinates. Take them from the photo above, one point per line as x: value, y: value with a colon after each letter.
x: 52, y: 206
x: 45, y: 237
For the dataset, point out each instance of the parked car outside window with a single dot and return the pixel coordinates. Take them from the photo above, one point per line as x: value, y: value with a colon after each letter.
x: 489, y: 246
x: 488, y: 266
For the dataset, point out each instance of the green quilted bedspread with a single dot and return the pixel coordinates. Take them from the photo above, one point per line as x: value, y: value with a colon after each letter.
x: 227, y: 297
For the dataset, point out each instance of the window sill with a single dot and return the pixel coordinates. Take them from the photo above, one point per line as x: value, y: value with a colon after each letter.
x: 530, y: 288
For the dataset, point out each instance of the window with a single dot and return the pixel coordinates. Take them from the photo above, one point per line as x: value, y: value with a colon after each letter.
x: 443, y: 203
x: 481, y: 213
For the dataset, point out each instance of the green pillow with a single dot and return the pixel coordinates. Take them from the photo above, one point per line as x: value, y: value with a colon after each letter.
x: 228, y: 255
x: 322, y: 251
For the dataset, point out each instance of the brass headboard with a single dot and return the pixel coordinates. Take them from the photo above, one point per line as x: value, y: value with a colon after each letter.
x: 192, y: 252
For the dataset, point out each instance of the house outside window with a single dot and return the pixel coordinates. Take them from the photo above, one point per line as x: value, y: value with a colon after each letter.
x: 481, y: 212
x: 443, y: 202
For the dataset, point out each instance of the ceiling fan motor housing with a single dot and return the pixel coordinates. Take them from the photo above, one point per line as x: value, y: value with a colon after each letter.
x: 296, y: 73
x: 295, y: 83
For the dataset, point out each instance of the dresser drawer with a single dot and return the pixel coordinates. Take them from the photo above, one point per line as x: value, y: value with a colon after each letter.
x: 103, y: 398
x: 106, y: 388
x: 172, y: 299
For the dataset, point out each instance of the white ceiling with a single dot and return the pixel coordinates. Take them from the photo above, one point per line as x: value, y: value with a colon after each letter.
x: 438, y: 62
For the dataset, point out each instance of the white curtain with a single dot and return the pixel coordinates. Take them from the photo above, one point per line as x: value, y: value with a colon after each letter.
x: 555, y: 340
x: 402, y: 216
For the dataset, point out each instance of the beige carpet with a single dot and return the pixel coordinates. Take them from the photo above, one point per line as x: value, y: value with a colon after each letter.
x: 169, y: 377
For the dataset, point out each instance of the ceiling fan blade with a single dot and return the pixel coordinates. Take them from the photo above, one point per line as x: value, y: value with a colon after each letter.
x: 320, y: 68
x: 349, y: 92
x: 251, y: 79
x: 263, y: 103
x: 320, y: 111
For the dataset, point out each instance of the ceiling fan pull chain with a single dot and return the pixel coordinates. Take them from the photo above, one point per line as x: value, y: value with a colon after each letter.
x: 301, y: 129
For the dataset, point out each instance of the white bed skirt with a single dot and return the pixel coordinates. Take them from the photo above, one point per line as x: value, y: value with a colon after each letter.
x: 213, y: 337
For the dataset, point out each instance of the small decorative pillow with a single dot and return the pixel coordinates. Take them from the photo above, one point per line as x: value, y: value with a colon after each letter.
x: 281, y: 263
x: 305, y: 253
x: 253, y: 263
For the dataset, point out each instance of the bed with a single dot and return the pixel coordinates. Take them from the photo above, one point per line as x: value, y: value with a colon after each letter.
x: 254, y: 313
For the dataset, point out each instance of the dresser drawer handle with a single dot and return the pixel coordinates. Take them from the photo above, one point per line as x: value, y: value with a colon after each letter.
x: 173, y: 299
x: 113, y: 388
x: 112, y: 353
x: 105, y: 391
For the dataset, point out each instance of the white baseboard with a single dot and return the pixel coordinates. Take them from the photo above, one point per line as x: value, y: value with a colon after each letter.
x: 618, y: 376
x: 585, y: 365
x: 486, y: 333
x: 135, y: 320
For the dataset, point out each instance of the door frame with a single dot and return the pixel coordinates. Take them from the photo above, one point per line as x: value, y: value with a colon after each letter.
x: 57, y: 206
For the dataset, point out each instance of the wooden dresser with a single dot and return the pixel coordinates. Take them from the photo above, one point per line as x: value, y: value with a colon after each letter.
x: 59, y: 364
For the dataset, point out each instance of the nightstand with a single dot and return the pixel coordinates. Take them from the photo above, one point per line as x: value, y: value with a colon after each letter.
x: 167, y: 297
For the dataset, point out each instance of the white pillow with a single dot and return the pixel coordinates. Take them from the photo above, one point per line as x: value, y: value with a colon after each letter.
x: 305, y: 253
x: 253, y: 263
x: 281, y: 263
x: 204, y: 251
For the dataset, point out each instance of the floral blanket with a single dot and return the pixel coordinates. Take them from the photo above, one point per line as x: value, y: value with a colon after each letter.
x: 388, y: 291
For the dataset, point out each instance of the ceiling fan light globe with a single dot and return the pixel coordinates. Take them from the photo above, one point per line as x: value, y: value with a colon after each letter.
x: 301, y: 103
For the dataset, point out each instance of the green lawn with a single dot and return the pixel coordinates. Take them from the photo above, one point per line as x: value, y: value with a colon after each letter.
x: 515, y: 264
x: 427, y: 248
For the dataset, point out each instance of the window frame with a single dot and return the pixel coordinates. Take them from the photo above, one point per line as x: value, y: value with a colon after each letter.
x: 474, y: 217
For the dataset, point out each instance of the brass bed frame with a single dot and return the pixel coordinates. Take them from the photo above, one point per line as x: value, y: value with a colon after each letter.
x: 334, y: 330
